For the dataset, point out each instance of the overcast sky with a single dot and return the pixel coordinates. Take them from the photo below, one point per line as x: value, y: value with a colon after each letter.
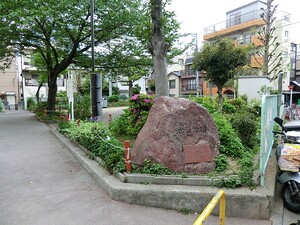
x: 195, y: 15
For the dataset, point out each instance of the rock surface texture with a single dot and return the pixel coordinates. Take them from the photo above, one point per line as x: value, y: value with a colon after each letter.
x: 179, y: 134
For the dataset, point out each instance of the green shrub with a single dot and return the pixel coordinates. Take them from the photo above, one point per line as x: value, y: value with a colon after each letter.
x: 31, y: 104
x: 221, y: 163
x: 82, y: 107
x: 41, y: 106
x: 123, y: 97
x: 1, y: 106
x: 210, y: 104
x: 239, y: 103
x: 97, y: 138
x: 230, y: 144
x: 113, y: 98
x: 244, y: 124
x: 247, y: 168
x: 228, y: 107
x: 131, y: 122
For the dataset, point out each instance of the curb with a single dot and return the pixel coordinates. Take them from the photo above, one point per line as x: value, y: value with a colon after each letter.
x: 240, y: 202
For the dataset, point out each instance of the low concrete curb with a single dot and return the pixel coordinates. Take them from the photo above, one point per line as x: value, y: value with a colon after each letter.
x: 240, y: 202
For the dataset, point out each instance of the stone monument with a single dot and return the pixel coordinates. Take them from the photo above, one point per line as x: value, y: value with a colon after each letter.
x: 178, y: 134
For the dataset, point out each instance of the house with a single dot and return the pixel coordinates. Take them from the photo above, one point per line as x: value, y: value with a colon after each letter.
x: 9, y: 85
x: 242, y: 25
x: 174, y: 80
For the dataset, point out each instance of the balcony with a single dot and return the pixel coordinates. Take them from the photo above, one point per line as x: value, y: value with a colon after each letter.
x: 234, y: 24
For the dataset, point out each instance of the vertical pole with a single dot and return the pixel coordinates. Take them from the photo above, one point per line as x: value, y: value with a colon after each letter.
x: 93, y: 75
x: 127, y: 156
x: 279, y: 95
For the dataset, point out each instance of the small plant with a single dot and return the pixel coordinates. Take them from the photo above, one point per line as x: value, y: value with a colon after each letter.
x: 231, y: 145
x: 228, y: 183
x: 131, y: 122
x: 31, y: 104
x: 155, y: 168
x: 186, y: 211
x: 113, y: 98
x: 221, y: 163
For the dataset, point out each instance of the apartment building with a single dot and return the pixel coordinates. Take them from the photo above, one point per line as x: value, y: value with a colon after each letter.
x: 29, y: 79
x: 9, y: 86
x: 242, y: 25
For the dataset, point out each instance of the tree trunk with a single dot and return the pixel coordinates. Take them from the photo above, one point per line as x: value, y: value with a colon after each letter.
x: 159, y: 50
x: 52, y: 93
x: 130, y: 85
x: 37, y: 94
x: 220, y: 98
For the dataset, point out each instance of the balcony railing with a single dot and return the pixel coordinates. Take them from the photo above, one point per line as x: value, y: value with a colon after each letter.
x: 189, y: 87
x: 239, y: 19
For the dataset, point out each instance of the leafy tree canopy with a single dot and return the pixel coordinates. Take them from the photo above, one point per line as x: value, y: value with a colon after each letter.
x: 220, y: 60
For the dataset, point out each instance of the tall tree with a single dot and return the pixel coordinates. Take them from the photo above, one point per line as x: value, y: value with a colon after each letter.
x: 60, y: 30
x: 159, y: 49
x: 220, y: 60
x: 268, y: 55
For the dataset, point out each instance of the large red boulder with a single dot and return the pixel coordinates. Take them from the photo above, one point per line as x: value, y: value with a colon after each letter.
x: 179, y: 134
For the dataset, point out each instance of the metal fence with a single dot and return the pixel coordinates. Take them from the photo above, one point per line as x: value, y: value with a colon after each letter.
x: 268, y: 113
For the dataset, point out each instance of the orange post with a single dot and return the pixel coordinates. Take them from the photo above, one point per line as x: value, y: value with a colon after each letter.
x: 127, y: 156
x: 78, y: 122
x: 109, y: 118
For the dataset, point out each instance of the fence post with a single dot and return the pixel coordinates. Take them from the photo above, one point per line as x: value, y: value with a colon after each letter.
x: 127, y: 156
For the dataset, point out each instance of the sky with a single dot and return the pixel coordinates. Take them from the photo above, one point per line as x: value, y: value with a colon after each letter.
x: 195, y: 15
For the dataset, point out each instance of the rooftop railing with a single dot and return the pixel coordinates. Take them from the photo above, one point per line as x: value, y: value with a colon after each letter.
x: 237, y: 19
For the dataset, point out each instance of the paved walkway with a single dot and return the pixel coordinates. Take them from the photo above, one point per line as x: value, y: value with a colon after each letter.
x: 42, y: 183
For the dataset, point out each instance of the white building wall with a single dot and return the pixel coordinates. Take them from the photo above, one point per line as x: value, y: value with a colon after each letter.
x: 251, y: 85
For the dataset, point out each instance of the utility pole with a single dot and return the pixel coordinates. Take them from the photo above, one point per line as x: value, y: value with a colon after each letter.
x: 96, y: 81
x: 197, y: 72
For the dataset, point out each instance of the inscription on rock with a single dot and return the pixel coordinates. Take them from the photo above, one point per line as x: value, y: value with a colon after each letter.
x: 197, y: 153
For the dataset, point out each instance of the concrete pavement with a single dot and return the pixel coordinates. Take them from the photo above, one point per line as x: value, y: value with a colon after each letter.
x: 41, y: 182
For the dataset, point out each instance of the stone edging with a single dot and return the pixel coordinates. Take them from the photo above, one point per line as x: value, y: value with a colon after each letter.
x: 241, y: 202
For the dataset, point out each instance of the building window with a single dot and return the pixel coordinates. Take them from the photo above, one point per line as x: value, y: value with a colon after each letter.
x: 191, y: 84
x: 32, y: 80
x: 172, y: 84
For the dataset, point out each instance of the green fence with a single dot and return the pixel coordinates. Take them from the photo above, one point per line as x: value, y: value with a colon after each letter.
x: 268, y: 113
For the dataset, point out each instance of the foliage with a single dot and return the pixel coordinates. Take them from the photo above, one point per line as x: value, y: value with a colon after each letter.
x: 221, y: 163
x: 1, y: 106
x: 136, y: 89
x: 151, y: 85
x: 247, y: 168
x: 113, y: 98
x: 31, y: 104
x: 244, y: 123
x: 238, y: 103
x: 97, y: 138
x: 220, y: 60
x: 155, y: 168
x: 82, y: 107
x: 230, y: 145
x: 60, y: 30
x: 229, y: 183
x: 228, y: 107
x: 206, y: 102
x: 131, y: 122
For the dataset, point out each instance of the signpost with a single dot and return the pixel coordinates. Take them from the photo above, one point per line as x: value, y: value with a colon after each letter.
x: 291, y: 97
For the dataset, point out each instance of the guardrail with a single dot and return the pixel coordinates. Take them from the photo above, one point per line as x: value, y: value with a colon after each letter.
x: 209, y: 208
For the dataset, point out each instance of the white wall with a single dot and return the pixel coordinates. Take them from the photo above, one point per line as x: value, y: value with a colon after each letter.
x: 251, y: 85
